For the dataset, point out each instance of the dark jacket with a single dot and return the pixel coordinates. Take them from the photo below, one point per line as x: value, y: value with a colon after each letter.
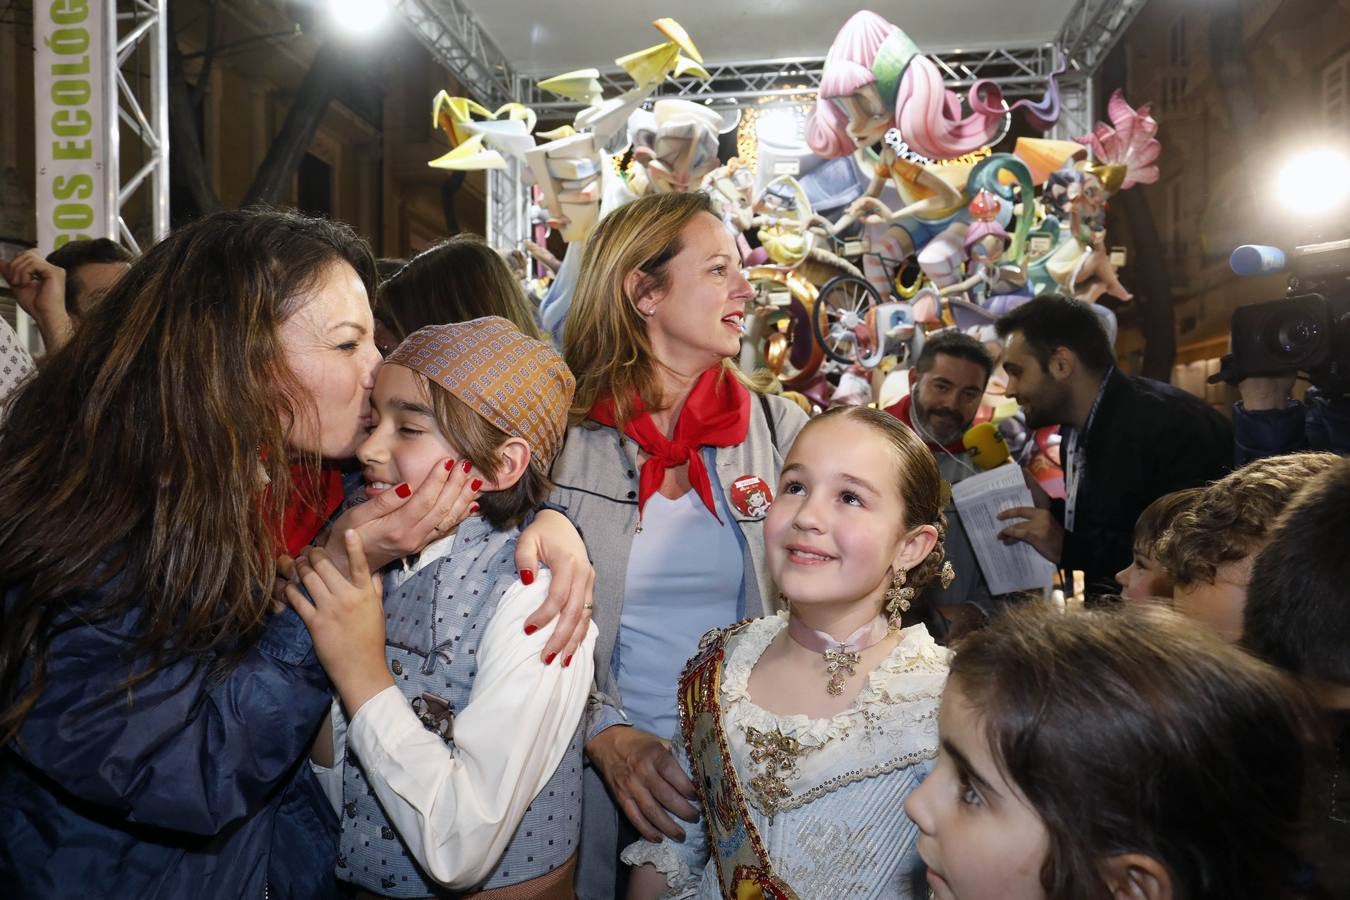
x: 183, y: 787
x: 1321, y: 422
x: 1147, y: 439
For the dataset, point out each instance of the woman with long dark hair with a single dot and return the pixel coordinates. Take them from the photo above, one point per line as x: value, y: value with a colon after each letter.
x: 154, y: 710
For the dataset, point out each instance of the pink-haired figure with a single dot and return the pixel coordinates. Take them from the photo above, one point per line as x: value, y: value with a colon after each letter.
x: 876, y: 81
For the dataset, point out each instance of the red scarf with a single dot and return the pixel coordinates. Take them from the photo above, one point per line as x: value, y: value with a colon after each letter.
x: 904, y: 411
x: 717, y: 414
x: 309, y: 507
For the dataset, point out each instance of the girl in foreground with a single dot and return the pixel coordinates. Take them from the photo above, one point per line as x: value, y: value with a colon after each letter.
x: 805, y: 731
x: 1110, y: 755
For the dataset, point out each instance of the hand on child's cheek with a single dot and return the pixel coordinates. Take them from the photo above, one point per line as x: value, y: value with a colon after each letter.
x: 345, y: 617
x: 475, y: 477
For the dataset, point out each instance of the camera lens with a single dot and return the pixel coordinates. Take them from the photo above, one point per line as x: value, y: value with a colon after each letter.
x: 1293, y: 336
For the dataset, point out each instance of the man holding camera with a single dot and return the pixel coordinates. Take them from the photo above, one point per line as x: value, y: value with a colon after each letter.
x: 1268, y: 421
x: 1302, y: 332
x: 1126, y: 440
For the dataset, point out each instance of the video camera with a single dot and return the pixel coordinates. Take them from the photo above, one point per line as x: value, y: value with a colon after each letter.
x: 1308, y: 331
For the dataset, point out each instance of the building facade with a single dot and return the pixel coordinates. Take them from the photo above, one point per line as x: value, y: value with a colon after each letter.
x: 1237, y: 88
x: 366, y: 165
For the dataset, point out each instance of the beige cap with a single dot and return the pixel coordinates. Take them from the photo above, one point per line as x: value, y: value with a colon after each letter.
x: 517, y: 383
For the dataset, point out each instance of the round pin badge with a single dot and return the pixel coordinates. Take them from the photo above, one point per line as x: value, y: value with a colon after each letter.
x: 751, y: 496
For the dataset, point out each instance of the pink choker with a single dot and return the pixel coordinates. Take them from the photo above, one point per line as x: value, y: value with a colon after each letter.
x: 840, y: 656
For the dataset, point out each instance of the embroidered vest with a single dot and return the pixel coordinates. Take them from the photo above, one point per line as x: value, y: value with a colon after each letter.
x: 434, y: 622
x: 743, y: 866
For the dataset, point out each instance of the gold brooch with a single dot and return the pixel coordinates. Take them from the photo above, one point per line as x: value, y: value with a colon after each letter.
x: 778, y: 754
x: 839, y: 663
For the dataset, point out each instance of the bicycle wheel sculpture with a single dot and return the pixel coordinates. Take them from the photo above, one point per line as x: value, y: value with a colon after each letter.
x: 839, y: 318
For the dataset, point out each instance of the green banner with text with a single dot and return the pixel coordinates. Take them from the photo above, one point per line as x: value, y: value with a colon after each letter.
x: 70, y: 81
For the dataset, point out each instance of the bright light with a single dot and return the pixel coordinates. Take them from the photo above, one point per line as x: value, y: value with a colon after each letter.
x: 1315, y: 182
x: 781, y: 126
x: 358, y: 16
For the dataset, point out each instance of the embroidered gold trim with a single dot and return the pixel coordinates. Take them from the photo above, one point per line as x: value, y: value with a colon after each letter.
x: 846, y: 778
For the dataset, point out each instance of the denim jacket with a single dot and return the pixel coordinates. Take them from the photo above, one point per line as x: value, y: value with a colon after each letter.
x: 184, y: 786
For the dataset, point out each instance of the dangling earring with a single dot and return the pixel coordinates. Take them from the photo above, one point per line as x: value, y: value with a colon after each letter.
x: 898, y: 596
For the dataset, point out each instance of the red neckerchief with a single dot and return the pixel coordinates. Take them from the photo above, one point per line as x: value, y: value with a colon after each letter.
x: 904, y: 411
x: 312, y: 503
x: 717, y: 414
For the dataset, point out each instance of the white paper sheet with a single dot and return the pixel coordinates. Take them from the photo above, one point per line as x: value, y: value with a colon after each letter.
x: 979, y: 499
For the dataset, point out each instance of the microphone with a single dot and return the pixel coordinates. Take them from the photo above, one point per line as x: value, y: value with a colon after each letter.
x: 1256, y: 259
x: 987, y: 447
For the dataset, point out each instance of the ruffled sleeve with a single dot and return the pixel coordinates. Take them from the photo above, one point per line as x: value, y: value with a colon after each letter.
x: 682, y: 863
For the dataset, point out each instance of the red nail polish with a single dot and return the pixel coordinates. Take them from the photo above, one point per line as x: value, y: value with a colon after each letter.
x: 549, y: 659
x: 468, y: 464
x: 567, y: 662
x: 475, y: 484
x: 526, y: 576
x: 473, y: 509
x: 449, y: 465
x: 403, y: 490
x: 531, y: 629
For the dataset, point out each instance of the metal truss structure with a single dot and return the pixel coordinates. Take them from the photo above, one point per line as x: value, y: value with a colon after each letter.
x: 1019, y: 71
x: 136, y: 91
x: 1092, y: 29
x: 449, y: 31
x: 786, y: 79
x: 508, y: 199
x: 137, y: 97
x: 455, y: 39
x: 1076, y: 109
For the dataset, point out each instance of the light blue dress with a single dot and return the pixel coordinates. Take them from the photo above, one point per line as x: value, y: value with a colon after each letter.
x: 842, y: 831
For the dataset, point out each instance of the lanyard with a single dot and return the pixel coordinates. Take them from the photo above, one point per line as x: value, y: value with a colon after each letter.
x: 1076, y: 458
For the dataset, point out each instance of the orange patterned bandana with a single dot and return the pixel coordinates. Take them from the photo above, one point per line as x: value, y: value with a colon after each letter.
x: 517, y: 383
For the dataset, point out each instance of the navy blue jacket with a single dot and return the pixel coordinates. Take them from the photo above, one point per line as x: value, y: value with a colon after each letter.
x: 189, y: 787
x: 1322, y: 422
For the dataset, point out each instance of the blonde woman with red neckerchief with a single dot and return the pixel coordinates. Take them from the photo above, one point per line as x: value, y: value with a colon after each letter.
x: 667, y: 471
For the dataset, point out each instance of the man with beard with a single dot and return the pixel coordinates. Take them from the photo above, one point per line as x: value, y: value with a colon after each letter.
x: 1126, y: 440
x: 947, y: 383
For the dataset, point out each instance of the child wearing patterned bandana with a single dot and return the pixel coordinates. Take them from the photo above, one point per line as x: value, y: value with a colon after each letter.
x: 466, y: 772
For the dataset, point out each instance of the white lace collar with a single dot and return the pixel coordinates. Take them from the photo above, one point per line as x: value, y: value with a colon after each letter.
x: 891, y: 723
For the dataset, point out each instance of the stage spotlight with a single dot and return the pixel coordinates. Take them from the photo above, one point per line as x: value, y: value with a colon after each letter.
x: 1314, y: 182
x: 358, y: 16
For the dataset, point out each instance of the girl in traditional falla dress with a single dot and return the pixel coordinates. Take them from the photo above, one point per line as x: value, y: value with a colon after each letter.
x: 805, y: 731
